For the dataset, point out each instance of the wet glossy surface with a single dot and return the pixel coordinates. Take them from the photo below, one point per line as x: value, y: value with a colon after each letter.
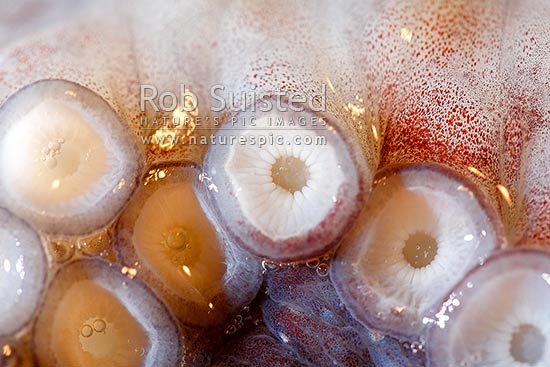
x: 496, y: 315
x: 22, y: 272
x: 460, y: 84
x: 422, y: 230
x: 94, y: 316
x: 283, y: 223
x: 76, y: 165
x: 166, y: 237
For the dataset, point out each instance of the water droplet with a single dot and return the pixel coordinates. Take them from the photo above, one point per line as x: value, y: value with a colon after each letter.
x: 100, y: 325
x: 50, y: 162
x: 86, y: 331
x: 130, y: 272
x: 94, y: 245
x: 62, y: 250
x: 55, y: 146
x: 322, y: 269
x: 414, y: 347
x: 177, y: 238
x: 312, y: 264
x: 231, y: 329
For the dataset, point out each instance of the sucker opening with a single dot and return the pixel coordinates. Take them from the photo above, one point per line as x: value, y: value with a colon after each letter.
x: 290, y: 173
x: 420, y: 250
x: 527, y: 345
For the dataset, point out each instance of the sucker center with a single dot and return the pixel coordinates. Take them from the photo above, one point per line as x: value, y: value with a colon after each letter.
x: 420, y: 250
x: 528, y: 344
x: 290, y: 173
x: 179, y: 247
x: 176, y: 238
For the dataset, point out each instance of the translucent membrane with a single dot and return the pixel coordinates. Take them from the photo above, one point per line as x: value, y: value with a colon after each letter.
x: 76, y: 164
x: 93, y: 315
x: 179, y: 252
x: 422, y: 229
x: 526, y: 129
x: 497, y: 315
x: 281, y: 200
x: 22, y: 272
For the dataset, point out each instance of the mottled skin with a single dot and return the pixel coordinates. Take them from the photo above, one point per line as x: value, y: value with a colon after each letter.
x: 526, y: 45
x: 244, y: 350
x: 304, y: 311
